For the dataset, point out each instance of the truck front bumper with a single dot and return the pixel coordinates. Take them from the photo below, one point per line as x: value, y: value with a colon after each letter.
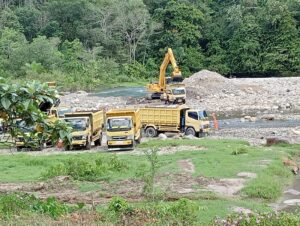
x: 119, y: 145
x: 78, y: 142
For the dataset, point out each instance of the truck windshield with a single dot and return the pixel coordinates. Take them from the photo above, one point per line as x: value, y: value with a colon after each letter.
x: 62, y: 112
x: 116, y: 124
x: 178, y: 91
x: 202, y: 115
x: 77, y: 124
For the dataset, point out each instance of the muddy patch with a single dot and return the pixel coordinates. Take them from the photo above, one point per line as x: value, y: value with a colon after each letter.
x: 227, y: 187
x: 186, y: 165
x: 167, y: 150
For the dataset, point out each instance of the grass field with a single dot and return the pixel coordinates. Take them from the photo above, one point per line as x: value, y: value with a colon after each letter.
x: 214, y: 160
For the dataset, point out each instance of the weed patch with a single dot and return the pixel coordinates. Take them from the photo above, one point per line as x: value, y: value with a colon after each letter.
x: 240, y: 151
x: 269, y: 184
x: 181, y: 212
x: 18, y: 204
x: 80, y: 169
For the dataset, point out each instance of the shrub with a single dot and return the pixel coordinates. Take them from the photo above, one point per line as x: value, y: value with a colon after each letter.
x: 18, y: 204
x: 118, y: 205
x: 240, y: 151
x: 90, y: 170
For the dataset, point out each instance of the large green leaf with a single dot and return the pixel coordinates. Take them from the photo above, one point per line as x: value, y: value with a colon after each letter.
x: 5, y: 103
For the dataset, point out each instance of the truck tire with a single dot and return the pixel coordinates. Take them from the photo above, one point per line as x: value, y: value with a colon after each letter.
x: 98, y: 142
x: 88, y: 145
x: 190, y: 131
x: 151, y: 132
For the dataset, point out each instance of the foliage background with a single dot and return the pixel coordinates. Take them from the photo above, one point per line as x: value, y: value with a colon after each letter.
x: 95, y: 43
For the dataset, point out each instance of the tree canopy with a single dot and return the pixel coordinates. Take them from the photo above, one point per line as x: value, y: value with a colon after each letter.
x: 89, y: 44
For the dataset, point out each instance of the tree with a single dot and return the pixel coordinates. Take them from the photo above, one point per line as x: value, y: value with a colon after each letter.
x: 134, y: 23
x: 29, y: 18
x: 68, y: 14
x: 21, y: 102
x: 10, y: 40
x: 9, y: 19
x: 280, y: 39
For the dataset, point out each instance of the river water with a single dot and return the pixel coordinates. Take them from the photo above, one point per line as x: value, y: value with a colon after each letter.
x: 123, y: 92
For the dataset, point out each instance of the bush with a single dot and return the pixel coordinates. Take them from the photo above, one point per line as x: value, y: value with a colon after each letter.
x: 80, y: 169
x: 240, y: 151
x: 118, y: 205
x: 181, y: 212
x: 18, y: 204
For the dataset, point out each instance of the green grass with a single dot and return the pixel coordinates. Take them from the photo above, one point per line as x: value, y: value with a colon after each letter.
x: 215, y: 159
x: 269, y: 183
x: 5, y: 145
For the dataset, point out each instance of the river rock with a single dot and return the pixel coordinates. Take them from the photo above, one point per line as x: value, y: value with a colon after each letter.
x: 292, y: 202
x: 162, y: 136
x: 247, y: 174
x: 81, y: 92
x: 274, y: 140
x: 292, y: 192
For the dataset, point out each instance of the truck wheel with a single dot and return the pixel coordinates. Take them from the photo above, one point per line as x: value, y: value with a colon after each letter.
x: 190, y: 131
x: 151, y: 132
x: 98, y: 142
x: 88, y: 145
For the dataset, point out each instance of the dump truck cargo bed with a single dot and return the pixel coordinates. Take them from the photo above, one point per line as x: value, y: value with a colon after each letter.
x: 161, y: 116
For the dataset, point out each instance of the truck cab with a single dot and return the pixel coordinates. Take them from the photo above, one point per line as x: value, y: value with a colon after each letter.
x: 123, y: 129
x: 81, y: 131
x: 24, y: 139
x: 196, y: 122
x: 60, y: 111
x: 174, y: 94
x: 86, y: 128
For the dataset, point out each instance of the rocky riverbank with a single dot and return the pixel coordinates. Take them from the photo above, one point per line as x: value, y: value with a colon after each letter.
x: 270, y: 99
x: 217, y: 93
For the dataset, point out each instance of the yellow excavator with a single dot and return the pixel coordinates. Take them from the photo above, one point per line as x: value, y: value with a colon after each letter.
x: 170, y: 89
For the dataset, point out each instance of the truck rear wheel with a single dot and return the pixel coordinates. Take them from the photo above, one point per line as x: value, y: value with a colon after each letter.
x: 151, y: 132
x: 190, y: 131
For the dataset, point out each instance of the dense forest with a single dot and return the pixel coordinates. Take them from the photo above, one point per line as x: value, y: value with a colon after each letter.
x: 87, y: 44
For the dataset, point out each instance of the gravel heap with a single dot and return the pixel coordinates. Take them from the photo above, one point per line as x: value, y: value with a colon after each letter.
x: 214, y: 92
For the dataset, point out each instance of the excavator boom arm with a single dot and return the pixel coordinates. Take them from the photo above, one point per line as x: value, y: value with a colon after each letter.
x: 169, y: 58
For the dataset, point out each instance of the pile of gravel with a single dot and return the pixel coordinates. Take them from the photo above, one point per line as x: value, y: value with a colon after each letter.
x: 207, y: 83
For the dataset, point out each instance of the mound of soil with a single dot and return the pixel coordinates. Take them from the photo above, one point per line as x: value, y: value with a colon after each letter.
x: 206, y: 83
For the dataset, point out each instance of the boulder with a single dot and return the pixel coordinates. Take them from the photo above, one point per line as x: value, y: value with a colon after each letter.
x: 274, y: 140
x: 162, y: 136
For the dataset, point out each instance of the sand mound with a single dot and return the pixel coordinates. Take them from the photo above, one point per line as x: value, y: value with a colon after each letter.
x: 206, y: 83
x: 204, y: 76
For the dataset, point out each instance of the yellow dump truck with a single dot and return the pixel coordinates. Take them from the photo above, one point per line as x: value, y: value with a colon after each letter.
x: 60, y: 111
x: 87, y: 128
x: 174, y: 119
x: 123, y: 128
x: 33, y: 143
